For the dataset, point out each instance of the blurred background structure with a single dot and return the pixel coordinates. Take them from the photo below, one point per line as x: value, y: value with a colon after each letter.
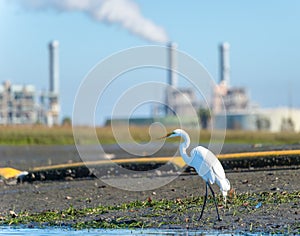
x: 23, y: 104
x: 93, y: 32
x: 240, y: 112
x: 19, y: 104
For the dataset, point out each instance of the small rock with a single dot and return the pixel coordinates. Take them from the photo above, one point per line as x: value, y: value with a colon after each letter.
x: 88, y: 200
x: 275, y: 189
x: 102, y: 186
x: 179, y: 201
x: 31, y: 176
x: 68, y: 197
x: 30, y: 226
x: 13, y: 214
x: 69, y: 178
x: 11, y: 182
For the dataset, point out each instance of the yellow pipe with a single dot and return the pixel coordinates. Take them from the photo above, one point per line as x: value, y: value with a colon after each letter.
x: 178, y: 161
x: 259, y: 154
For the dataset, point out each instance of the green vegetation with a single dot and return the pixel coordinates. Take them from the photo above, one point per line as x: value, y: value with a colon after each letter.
x: 156, y: 213
x: 35, y: 135
x: 63, y: 135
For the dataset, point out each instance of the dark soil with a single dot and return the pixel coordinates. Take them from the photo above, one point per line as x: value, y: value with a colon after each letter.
x: 263, y: 199
x: 242, y: 215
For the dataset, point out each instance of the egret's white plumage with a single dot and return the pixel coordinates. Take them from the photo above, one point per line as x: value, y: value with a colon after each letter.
x: 205, y: 163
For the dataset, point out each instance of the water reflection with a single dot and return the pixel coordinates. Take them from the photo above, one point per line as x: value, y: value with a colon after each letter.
x: 13, y: 231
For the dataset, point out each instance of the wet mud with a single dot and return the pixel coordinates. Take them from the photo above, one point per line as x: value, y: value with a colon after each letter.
x: 248, y: 209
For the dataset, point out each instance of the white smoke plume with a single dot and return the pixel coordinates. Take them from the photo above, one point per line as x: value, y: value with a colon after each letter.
x: 123, y: 12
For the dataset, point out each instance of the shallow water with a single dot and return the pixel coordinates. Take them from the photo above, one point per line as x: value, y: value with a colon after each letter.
x: 49, y: 231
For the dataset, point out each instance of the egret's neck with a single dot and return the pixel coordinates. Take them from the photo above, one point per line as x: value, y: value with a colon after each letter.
x: 183, y: 146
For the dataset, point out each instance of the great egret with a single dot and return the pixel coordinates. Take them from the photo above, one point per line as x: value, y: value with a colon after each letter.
x: 206, y: 164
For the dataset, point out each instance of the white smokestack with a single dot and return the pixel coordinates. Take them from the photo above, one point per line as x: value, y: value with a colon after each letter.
x: 123, y: 12
x: 225, y: 65
x: 53, y: 67
x: 172, y: 74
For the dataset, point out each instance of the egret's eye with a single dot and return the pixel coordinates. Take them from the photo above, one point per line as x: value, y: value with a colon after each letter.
x: 169, y: 134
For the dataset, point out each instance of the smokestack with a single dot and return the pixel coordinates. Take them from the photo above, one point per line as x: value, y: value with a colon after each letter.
x: 53, y: 67
x: 225, y: 65
x: 172, y: 59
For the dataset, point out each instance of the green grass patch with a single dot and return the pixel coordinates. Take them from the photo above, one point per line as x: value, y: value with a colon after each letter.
x: 63, y: 135
x: 152, y: 213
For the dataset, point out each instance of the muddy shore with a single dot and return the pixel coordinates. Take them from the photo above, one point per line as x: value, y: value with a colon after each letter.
x: 262, y: 200
x: 90, y: 193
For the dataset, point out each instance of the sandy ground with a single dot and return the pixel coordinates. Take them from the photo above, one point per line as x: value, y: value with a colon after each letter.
x: 41, y: 196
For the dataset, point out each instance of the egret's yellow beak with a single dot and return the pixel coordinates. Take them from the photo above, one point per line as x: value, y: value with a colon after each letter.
x: 166, y: 136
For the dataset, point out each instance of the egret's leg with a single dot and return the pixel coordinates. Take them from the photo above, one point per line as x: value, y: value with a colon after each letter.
x: 212, y: 191
x: 205, y: 198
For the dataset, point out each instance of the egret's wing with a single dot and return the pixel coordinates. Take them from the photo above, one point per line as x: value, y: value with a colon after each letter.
x: 201, y: 165
x: 209, y: 168
x: 218, y: 169
x: 208, y: 161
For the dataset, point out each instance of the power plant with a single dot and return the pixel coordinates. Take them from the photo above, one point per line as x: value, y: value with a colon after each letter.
x: 235, y: 99
x: 18, y: 103
x: 225, y: 63
x: 23, y: 104
x: 233, y: 104
x: 172, y: 61
x: 53, y: 95
x: 179, y: 101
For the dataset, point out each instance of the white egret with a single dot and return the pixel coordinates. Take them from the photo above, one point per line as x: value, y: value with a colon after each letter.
x: 206, y: 164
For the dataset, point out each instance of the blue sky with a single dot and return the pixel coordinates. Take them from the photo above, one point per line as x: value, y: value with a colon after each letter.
x: 264, y: 38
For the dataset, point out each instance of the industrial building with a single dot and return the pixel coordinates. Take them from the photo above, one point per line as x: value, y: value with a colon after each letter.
x: 234, y: 105
x: 50, y: 100
x: 226, y: 98
x: 180, y: 102
x: 19, y: 104
x: 180, y: 105
x: 279, y: 119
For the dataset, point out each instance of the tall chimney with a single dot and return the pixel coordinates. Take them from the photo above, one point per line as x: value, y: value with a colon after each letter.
x: 54, y: 67
x: 172, y: 59
x: 224, y: 63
